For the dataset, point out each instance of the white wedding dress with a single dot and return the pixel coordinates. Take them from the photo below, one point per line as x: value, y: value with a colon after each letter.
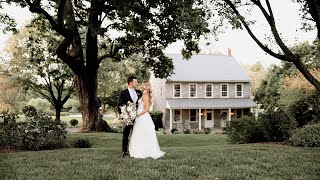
x: 144, y: 142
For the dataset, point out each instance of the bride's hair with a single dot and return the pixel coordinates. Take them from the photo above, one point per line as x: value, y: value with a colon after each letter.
x: 148, y: 90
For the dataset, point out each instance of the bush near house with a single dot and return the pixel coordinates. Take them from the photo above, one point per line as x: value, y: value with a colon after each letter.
x: 157, y: 119
x: 308, y: 135
x: 173, y: 130
x: 244, y: 130
x: 277, y: 125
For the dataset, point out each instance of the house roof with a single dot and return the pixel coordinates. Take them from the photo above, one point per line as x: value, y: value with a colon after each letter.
x: 209, y: 103
x: 207, y: 68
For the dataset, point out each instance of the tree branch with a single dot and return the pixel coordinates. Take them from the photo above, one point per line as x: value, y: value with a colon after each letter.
x: 271, y: 21
x: 263, y: 47
x: 36, y: 8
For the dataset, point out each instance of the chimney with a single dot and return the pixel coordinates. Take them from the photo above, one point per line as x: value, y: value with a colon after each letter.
x: 229, y: 52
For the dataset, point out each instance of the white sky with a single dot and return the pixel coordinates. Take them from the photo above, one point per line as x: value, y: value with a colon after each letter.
x: 244, y: 49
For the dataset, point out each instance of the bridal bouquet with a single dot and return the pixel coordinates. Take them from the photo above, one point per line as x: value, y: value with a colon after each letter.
x: 128, y: 113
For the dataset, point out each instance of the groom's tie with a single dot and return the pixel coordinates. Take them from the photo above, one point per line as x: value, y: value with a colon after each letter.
x: 134, y: 95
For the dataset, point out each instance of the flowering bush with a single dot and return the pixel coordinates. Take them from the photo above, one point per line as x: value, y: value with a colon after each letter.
x: 39, y: 132
x: 42, y: 132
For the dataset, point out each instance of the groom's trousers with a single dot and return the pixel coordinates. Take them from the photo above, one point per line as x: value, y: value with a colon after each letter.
x: 125, y: 138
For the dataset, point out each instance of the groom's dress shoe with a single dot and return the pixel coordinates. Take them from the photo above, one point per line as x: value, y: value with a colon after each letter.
x: 124, y: 154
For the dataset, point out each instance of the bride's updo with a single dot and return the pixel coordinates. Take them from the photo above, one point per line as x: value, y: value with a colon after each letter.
x: 148, y: 90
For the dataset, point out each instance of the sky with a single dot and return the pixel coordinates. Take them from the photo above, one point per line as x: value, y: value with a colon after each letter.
x: 243, y: 48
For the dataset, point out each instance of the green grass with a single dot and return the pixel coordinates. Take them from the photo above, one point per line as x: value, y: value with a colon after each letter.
x: 188, y: 157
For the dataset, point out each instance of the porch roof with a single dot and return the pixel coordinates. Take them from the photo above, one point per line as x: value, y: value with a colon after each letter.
x: 209, y: 103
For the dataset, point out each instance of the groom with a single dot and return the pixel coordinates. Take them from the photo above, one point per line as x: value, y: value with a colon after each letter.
x: 132, y: 95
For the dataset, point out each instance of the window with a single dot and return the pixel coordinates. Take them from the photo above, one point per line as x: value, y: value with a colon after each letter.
x: 209, y: 115
x: 208, y: 90
x: 176, y: 90
x: 224, y: 90
x: 192, y: 90
x: 177, y: 116
x: 239, y: 90
x: 193, y: 115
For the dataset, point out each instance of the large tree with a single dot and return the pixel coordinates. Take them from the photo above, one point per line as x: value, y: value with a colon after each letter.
x: 236, y: 13
x: 130, y: 26
x: 34, y: 64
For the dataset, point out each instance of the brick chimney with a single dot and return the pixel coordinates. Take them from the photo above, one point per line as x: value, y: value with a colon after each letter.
x: 229, y: 52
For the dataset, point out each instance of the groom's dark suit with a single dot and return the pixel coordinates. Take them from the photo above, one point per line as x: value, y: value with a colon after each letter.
x: 124, y: 98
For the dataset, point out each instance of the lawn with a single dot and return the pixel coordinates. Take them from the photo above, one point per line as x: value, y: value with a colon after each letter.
x: 188, y: 157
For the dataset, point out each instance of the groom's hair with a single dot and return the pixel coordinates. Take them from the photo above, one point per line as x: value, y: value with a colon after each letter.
x: 130, y: 79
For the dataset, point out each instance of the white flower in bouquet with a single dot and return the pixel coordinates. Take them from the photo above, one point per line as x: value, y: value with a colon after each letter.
x: 133, y: 113
x: 129, y: 108
x: 125, y: 116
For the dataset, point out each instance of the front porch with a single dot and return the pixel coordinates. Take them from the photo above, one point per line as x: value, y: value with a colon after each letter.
x: 197, y: 113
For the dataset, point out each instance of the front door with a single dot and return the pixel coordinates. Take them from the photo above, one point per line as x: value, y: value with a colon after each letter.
x: 209, y: 119
x: 223, y: 118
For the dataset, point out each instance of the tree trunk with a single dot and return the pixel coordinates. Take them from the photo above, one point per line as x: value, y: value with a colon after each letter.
x: 87, y: 90
x: 58, y: 113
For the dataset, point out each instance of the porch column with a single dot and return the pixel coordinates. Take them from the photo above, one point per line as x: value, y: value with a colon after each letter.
x: 229, y: 115
x: 256, y: 112
x: 199, y: 119
x: 171, y: 119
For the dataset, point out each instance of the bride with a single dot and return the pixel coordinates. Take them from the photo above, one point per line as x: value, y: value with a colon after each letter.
x: 144, y: 142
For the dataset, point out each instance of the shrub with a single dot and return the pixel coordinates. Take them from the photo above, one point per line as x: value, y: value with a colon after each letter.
x: 162, y: 131
x: 73, y: 122
x: 186, y: 131
x: 39, y: 132
x: 29, y: 111
x: 244, y: 130
x: 177, y: 132
x: 207, y: 130
x: 173, y: 130
x: 42, y: 132
x: 157, y: 119
x: 197, y: 131
x: 2, y: 139
x: 81, y: 143
x: 308, y: 135
x: 9, y: 134
x: 277, y: 125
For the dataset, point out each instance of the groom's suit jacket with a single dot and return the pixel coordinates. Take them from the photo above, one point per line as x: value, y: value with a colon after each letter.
x: 124, y: 97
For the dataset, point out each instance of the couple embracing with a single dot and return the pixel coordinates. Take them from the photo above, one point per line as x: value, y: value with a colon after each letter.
x: 143, y: 141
